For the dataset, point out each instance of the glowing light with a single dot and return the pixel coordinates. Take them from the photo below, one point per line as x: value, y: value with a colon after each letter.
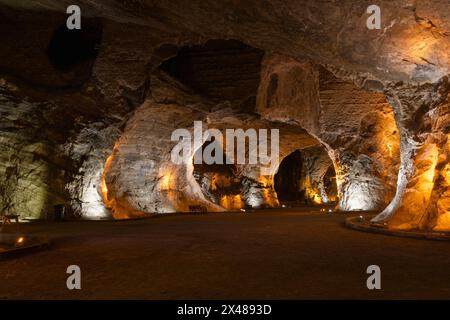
x: 92, y: 201
x: 104, y: 188
x: 323, y: 193
x: 357, y: 198
x: 420, y: 49
x: 232, y: 202
x: 265, y: 181
x: 389, y: 147
x: 165, y: 183
x: 443, y: 204
x: 446, y: 174
x: 356, y: 203
x: 426, y: 180
x: 255, y: 200
x: 313, y: 195
x: 20, y: 241
x: 118, y: 211
x: 317, y: 199
x: 270, y: 198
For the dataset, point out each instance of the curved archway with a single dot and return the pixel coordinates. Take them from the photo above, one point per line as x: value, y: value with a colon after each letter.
x: 287, y: 180
x: 306, y: 177
x: 209, y: 102
x: 220, y: 183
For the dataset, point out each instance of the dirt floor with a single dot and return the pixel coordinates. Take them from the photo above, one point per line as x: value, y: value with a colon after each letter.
x: 271, y: 254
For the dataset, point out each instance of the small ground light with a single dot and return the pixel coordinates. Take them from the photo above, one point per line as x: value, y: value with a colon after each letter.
x: 283, y: 206
x: 330, y: 210
x: 243, y: 210
x: 20, y: 241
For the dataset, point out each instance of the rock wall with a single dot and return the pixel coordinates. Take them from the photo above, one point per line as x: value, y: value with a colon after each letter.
x: 421, y: 201
x: 302, y: 177
x: 257, y: 184
x: 411, y: 46
x: 61, y: 119
x: 316, y: 166
x: 32, y: 176
x: 356, y: 126
x: 140, y: 176
x: 219, y: 70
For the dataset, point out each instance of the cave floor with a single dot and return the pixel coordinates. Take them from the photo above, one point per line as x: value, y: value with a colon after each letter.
x: 273, y: 254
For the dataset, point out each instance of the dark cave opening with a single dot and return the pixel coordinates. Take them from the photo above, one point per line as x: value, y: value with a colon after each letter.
x: 287, y: 179
x: 306, y: 176
x: 70, y: 48
x: 217, y: 180
x: 221, y: 70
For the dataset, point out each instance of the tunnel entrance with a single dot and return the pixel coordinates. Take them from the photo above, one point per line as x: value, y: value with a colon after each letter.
x: 73, y: 52
x: 220, y: 183
x: 288, y: 177
x: 306, y: 176
x: 220, y: 70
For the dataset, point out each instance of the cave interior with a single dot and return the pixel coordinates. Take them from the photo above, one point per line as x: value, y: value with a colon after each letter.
x: 87, y: 117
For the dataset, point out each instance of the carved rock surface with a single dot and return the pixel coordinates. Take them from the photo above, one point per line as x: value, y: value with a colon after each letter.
x: 356, y: 126
x: 377, y: 100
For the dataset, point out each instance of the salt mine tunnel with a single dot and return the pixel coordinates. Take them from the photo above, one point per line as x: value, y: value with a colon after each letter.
x: 87, y: 115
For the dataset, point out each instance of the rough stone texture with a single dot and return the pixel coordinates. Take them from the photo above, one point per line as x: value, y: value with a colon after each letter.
x: 422, y: 195
x: 412, y: 44
x: 316, y: 165
x: 360, y: 128
x: 219, y: 70
x: 258, y: 187
x: 302, y: 176
x: 439, y: 203
x: 32, y: 176
x: 89, y: 148
x: 86, y: 105
x: 139, y: 176
x: 51, y: 153
x: 356, y: 126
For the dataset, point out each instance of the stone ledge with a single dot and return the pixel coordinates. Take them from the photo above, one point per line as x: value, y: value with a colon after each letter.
x: 362, y: 223
x: 9, y: 245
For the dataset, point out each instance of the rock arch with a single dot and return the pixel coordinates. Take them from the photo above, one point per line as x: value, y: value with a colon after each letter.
x: 356, y: 126
x: 307, y: 176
